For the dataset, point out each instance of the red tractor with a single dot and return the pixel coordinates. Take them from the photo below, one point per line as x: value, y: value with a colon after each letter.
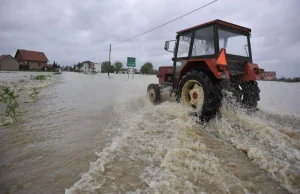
x: 209, y: 58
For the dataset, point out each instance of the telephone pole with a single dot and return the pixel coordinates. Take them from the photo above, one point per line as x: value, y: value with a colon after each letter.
x: 109, y: 52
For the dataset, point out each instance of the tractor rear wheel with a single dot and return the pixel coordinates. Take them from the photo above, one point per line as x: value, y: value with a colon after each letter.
x: 198, y: 91
x: 250, y: 92
x: 153, y: 91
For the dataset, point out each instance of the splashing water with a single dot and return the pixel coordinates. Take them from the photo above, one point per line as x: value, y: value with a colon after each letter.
x: 159, y: 149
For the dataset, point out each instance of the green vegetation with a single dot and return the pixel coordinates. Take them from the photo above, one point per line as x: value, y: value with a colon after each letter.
x: 147, y: 68
x: 106, y: 67
x: 9, y: 97
x: 55, y: 65
x: 79, y: 65
x: 118, y: 66
x: 39, y: 77
x: 283, y: 79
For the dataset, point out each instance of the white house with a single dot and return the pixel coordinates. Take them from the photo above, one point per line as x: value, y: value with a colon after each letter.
x: 86, y: 67
x: 97, y: 67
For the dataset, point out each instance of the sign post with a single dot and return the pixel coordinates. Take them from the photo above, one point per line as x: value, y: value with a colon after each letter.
x: 131, y: 63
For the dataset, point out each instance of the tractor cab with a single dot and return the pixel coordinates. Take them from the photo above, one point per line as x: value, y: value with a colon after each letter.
x: 205, y: 41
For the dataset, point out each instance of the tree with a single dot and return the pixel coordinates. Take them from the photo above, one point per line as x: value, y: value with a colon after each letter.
x: 107, y: 67
x: 80, y: 65
x: 118, y: 66
x: 54, y: 65
x: 147, y: 68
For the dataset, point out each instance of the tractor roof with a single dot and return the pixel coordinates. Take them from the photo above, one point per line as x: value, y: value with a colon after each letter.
x: 220, y: 22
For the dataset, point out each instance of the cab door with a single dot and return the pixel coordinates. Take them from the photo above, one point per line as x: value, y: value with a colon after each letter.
x: 181, y: 53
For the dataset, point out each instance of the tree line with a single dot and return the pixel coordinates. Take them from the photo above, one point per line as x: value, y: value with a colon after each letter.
x: 106, y: 67
x: 117, y: 67
x: 283, y: 79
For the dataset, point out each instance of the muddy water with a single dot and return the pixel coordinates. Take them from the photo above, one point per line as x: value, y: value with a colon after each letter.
x: 94, y: 134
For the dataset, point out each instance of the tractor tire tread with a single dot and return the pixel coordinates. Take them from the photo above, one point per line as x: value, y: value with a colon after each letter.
x: 213, y: 95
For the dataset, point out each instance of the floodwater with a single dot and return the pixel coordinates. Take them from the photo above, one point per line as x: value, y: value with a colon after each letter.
x: 99, y: 134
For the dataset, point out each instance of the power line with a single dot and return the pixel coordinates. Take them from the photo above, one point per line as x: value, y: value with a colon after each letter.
x: 106, y: 48
x: 165, y: 23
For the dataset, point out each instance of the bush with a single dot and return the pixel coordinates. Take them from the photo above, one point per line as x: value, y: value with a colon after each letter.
x: 8, y: 97
x: 39, y: 77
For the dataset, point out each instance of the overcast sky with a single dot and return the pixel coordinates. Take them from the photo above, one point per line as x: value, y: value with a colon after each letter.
x: 70, y: 31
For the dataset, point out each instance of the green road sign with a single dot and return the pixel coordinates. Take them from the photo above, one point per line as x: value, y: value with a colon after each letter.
x: 130, y: 62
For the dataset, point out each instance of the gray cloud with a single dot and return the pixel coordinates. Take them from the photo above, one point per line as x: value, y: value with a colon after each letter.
x: 71, y: 31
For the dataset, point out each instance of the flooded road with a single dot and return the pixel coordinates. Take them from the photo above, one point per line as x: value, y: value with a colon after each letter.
x: 141, y: 148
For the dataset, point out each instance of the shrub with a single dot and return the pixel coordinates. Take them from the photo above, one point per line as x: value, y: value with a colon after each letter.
x: 8, y: 97
x: 39, y: 77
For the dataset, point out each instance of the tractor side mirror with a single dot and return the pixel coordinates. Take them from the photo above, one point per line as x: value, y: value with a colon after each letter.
x: 158, y: 75
x: 167, y: 45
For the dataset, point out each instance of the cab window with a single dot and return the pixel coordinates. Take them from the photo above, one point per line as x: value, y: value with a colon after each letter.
x: 184, y: 45
x: 204, y: 42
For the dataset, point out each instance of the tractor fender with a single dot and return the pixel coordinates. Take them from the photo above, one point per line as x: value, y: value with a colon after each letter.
x: 252, y: 72
x: 208, y: 65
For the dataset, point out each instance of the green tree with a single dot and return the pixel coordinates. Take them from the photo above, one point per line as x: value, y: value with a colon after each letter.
x: 147, y: 68
x: 106, y: 67
x: 54, y: 65
x: 80, y: 65
x: 118, y: 66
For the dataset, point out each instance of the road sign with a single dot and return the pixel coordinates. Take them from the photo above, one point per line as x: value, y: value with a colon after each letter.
x: 130, y: 62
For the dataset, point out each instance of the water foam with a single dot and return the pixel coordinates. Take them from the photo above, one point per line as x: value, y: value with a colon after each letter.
x: 275, y: 147
x: 159, y: 149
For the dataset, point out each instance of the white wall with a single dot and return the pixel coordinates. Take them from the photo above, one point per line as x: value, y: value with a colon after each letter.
x: 97, y: 67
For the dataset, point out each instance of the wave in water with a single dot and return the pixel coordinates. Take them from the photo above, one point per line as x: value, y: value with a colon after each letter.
x: 161, y: 149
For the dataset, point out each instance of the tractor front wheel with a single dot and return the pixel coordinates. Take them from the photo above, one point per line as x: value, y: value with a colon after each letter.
x: 250, y: 92
x: 198, y: 91
x: 153, y: 91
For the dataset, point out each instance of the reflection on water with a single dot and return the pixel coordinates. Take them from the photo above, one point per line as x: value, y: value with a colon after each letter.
x: 144, y: 148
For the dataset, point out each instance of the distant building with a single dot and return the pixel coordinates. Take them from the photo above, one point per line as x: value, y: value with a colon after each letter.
x: 98, y: 67
x: 88, y: 66
x: 8, y: 63
x: 49, y: 66
x: 269, y: 75
x: 31, y: 59
x: 130, y: 70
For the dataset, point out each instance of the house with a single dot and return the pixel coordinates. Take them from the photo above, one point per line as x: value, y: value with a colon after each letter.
x: 88, y: 66
x: 98, y: 67
x: 270, y: 75
x: 8, y: 63
x: 31, y: 59
x: 49, y: 66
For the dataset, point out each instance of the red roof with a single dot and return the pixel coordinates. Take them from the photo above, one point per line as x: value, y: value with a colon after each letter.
x: 3, y: 56
x: 32, y: 55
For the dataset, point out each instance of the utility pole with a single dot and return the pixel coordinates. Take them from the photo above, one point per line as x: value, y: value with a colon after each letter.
x: 109, y: 52
x: 109, y: 59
